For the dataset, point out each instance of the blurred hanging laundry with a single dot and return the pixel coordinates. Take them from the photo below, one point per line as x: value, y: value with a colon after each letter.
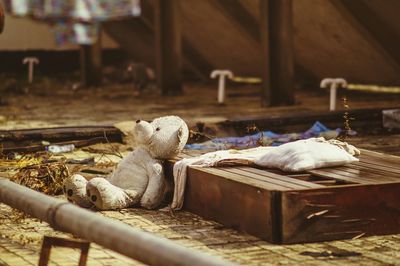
x: 75, y: 21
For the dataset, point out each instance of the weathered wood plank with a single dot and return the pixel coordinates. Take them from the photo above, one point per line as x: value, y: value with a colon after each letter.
x: 369, y: 173
x: 378, y: 166
x: 364, y: 119
x: 373, y: 169
x: 359, y: 176
x: 249, y: 175
x: 383, y: 163
x: 260, y: 182
x: 338, y: 176
x: 235, y: 204
x: 294, y: 183
x: 340, y: 212
x: 30, y: 140
x: 61, y: 133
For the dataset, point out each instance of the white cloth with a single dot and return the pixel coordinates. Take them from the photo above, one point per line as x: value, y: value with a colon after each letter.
x: 296, y: 156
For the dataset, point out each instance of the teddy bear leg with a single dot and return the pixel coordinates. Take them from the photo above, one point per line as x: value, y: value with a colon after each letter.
x: 106, y: 196
x: 74, y: 189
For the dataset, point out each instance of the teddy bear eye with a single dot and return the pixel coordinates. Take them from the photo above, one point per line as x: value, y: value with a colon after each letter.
x: 158, y: 129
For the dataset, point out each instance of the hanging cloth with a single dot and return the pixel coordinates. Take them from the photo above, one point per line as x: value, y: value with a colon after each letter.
x: 75, y: 21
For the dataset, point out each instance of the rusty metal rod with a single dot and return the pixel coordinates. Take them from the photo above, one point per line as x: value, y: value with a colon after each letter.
x: 109, y: 233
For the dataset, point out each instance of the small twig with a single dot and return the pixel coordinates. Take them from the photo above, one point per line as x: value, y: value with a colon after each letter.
x: 113, y: 148
x: 171, y: 211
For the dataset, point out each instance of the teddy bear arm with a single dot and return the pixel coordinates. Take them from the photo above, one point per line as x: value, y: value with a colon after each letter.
x: 153, y: 194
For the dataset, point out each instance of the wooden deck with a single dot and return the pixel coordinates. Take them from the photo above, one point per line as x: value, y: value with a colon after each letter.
x: 345, y: 202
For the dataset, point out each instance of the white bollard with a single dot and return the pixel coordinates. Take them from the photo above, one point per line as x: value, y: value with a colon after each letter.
x: 31, y: 61
x: 222, y: 74
x: 333, y: 85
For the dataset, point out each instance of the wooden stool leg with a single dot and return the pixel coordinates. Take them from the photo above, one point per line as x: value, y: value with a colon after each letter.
x: 45, y: 252
x: 84, y: 255
x: 49, y: 242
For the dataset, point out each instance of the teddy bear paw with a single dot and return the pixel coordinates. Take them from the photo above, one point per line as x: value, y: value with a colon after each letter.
x: 74, y: 189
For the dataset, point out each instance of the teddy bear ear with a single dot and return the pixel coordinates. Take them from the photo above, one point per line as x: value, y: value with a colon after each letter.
x: 182, y: 134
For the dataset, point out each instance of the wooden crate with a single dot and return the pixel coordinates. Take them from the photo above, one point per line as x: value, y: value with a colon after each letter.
x: 344, y: 202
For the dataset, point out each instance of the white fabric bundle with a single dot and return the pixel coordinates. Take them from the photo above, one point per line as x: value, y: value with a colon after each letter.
x: 305, y: 155
x: 296, y: 156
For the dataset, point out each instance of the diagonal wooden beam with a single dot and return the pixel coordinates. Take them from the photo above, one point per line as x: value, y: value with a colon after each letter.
x: 139, y: 45
x: 238, y: 14
x: 250, y: 27
x: 364, y: 19
x: 192, y: 57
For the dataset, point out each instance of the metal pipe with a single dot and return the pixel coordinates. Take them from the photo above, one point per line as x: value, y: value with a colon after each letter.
x: 109, y: 233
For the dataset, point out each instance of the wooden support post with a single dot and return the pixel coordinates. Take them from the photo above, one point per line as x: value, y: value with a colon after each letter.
x: 168, y: 46
x: 91, y: 63
x: 277, y: 44
x: 1, y: 19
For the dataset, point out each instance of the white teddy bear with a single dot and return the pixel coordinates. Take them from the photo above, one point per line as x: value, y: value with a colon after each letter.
x: 139, y: 177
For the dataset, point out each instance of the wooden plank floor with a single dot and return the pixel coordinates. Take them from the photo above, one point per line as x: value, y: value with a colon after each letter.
x: 373, y: 168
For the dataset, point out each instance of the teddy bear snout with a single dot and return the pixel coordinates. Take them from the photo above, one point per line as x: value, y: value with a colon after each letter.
x: 143, y: 132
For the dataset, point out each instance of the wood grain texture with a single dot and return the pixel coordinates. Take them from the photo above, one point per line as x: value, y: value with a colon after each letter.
x: 323, y: 204
x: 370, y: 25
x: 340, y: 213
x: 238, y: 205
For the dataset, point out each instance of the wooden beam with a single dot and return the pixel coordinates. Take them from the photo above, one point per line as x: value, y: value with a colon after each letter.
x: 250, y: 27
x: 168, y: 46
x: 238, y: 14
x: 368, y: 23
x: 1, y: 18
x: 277, y: 51
x: 139, y: 45
x: 91, y: 63
x: 193, y: 59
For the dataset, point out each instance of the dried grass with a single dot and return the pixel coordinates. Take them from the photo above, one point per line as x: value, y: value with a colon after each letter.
x: 43, y: 177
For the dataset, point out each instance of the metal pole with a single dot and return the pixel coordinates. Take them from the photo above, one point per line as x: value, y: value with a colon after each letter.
x: 112, y: 234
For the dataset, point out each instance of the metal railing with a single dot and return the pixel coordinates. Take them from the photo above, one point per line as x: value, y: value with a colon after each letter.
x: 109, y: 233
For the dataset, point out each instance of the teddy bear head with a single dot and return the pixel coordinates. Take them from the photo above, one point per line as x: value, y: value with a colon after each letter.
x: 164, y: 137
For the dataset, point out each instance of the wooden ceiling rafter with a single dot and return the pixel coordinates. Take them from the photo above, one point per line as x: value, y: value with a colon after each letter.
x: 192, y: 58
x: 116, y: 29
x: 243, y: 19
x: 250, y: 27
x: 369, y: 24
